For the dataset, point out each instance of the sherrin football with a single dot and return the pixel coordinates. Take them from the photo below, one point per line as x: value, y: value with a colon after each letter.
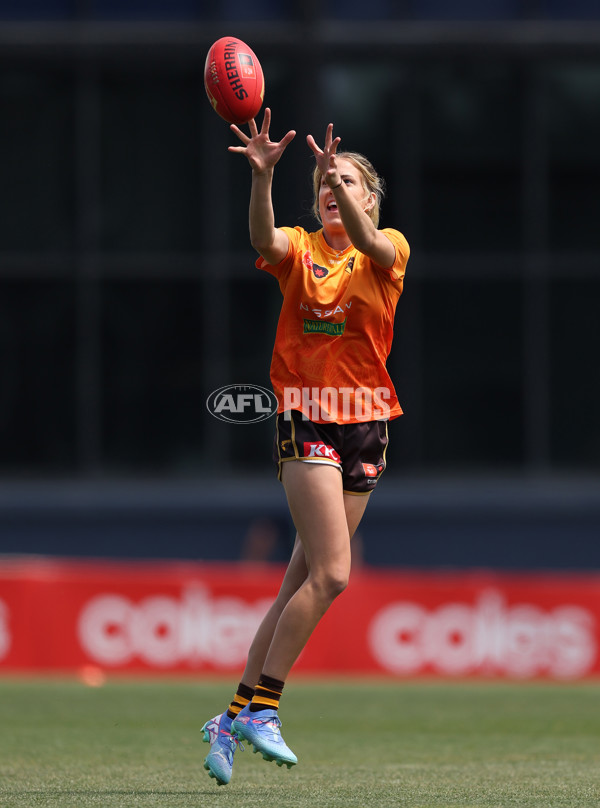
x: 234, y: 80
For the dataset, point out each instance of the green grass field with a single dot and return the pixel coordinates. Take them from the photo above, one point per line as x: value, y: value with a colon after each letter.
x: 360, y: 744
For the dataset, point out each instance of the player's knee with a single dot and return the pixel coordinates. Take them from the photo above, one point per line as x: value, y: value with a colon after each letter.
x: 333, y: 582
x: 338, y: 584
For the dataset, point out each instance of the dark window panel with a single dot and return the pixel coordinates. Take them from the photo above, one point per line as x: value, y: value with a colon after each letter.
x: 574, y: 156
x: 373, y: 10
x: 38, y: 348
x: 235, y: 10
x: 575, y: 380
x: 146, y: 9
x: 254, y: 310
x: 570, y: 9
x: 358, y: 95
x: 471, y: 210
x: 152, y: 191
x: 37, y: 9
x: 153, y: 404
x: 255, y: 304
x: 405, y: 368
x: 472, y: 374
x: 575, y: 208
x: 261, y: 10
x: 466, y: 9
x: 471, y: 127
x: 37, y: 159
x: 471, y: 112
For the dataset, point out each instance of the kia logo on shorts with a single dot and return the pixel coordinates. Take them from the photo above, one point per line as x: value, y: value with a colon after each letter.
x: 242, y: 403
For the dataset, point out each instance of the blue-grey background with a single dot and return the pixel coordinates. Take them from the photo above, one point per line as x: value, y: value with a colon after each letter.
x: 128, y: 291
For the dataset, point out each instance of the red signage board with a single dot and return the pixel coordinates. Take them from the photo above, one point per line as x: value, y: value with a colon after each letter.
x: 199, y: 617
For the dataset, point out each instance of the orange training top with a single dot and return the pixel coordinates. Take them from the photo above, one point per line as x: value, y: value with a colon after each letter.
x: 335, y: 329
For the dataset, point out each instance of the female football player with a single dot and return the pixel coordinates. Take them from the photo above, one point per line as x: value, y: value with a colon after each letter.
x: 340, y: 287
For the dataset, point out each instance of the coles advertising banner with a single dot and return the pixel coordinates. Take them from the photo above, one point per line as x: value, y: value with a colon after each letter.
x: 170, y: 617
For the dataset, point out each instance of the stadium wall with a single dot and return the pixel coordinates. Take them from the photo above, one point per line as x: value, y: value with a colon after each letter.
x: 513, y: 523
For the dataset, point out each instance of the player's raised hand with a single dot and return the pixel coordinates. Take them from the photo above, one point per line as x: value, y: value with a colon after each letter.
x: 325, y: 157
x: 261, y: 151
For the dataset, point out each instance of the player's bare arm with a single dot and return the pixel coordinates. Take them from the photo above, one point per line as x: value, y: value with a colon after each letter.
x: 263, y: 154
x: 352, y: 205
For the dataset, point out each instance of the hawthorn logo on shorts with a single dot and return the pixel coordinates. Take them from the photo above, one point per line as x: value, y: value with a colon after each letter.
x: 373, y: 471
x: 321, y: 450
x: 242, y: 403
x: 317, y: 270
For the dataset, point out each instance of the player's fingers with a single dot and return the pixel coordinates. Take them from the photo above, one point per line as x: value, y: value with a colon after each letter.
x: 312, y: 145
x: 328, y: 136
x: 242, y: 135
x: 266, y: 122
x: 285, y: 141
x: 253, y: 127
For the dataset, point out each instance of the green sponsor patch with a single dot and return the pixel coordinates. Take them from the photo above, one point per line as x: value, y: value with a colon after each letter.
x: 323, y: 327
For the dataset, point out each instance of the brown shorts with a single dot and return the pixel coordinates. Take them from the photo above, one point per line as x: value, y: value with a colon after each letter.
x: 357, y: 450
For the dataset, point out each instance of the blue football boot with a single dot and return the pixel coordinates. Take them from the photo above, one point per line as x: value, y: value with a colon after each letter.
x: 219, y: 761
x: 262, y: 731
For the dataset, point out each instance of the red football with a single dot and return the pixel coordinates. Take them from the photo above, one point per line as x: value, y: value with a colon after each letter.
x: 234, y: 80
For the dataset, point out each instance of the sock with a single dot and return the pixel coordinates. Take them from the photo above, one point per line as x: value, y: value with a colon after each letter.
x: 267, y: 694
x: 242, y: 697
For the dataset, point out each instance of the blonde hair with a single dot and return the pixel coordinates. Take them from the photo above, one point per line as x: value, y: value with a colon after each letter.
x: 372, y: 183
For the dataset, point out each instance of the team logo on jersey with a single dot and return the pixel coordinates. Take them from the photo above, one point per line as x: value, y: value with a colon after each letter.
x: 317, y: 270
x: 350, y: 265
x: 323, y: 327
x: 325, y: 312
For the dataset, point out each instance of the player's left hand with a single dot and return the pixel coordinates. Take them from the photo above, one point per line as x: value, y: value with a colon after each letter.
x: 325, y: 157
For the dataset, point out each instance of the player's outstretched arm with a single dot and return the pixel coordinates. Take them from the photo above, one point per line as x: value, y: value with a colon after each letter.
x: 263, y: 155
x: 357, y: 223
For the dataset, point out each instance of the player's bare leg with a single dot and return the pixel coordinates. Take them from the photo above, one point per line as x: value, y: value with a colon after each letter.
x: 325, y: 518
x: 296, y: 574
x: 294, y: 577
x: 314, y: 568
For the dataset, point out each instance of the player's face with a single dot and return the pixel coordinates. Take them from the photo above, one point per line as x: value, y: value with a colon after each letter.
x: 352, y: 179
